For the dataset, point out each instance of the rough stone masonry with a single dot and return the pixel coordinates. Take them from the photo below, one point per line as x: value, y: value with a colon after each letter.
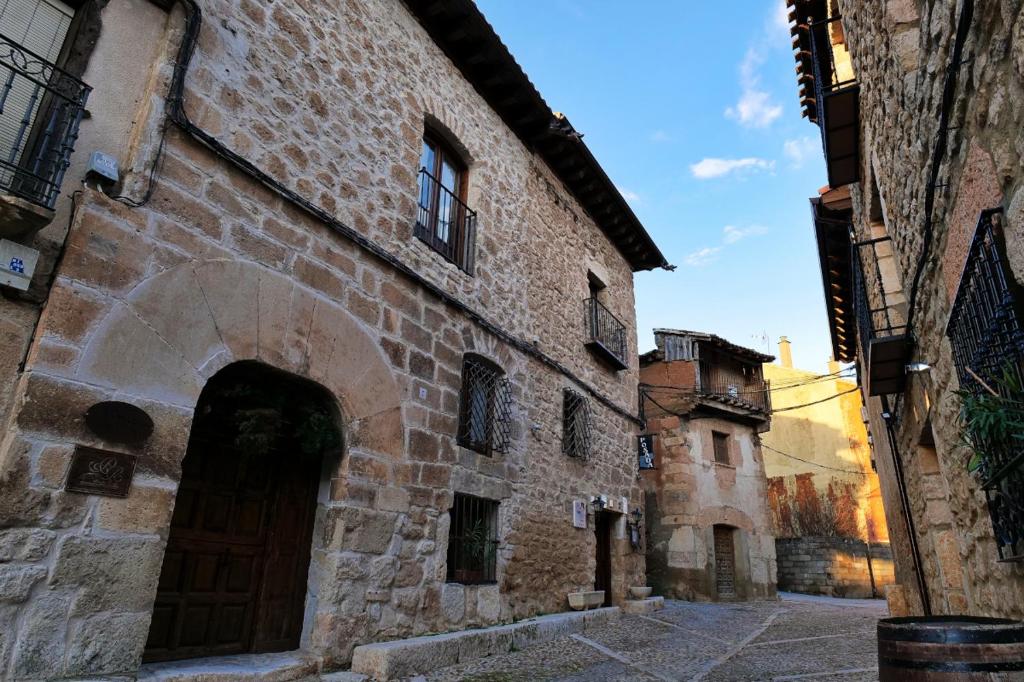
x: 148, y: 303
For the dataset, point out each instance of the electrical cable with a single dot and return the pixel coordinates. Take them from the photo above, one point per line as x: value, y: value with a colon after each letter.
x: 807, y: 461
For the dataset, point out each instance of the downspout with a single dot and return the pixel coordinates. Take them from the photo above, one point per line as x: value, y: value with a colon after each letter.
x: 922, y: 586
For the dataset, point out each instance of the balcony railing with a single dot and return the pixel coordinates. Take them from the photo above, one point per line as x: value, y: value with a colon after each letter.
x: 749, y: 393
x: 606, y: 335
x: 41, y: 107
x: 986, y: 333
x: 881, y: 329
x: 445, y: 223
x: 837, y: 108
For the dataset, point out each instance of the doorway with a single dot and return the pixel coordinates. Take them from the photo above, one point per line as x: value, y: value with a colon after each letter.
x: 725, y: 562
x: 603, y: 570
x: 235, y: 569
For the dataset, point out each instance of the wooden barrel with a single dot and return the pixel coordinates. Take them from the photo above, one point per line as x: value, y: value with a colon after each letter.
x: 950, y: 648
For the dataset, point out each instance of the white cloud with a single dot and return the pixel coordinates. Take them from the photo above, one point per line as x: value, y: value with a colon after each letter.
x: 660, y: 136
x: 755, y: 108
x: 732, y: 234
x: 715, y: 168
x: 629, y: 195
x: 780, y: 16
x: 800, y: 149
x: 702, y: 257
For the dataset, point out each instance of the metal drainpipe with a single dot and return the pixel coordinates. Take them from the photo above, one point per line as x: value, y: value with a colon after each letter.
x: 922, y: 586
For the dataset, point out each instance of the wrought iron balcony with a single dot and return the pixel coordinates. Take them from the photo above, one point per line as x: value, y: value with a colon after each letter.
x: 445, y: 223
x: 836, y: 106
x: 747, y: 393
x: 885, y: 345
x: 606, y: 335
x: 41, y: 107
x: 986, y: 333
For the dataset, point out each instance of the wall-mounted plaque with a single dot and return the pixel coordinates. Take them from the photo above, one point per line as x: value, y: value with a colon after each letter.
x: 100, y: 472
x: 579, y: 514
x: 645, y: 450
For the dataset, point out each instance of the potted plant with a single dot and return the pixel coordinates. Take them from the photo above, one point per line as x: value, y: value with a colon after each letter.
x: 992, y: 420
x: 478, y: 551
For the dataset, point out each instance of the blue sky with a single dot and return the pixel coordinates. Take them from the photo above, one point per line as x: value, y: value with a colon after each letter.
x: 692, y: 110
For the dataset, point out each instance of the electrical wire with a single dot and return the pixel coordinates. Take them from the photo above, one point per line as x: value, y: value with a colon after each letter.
x: 807, y: 461
x: 816, y: 402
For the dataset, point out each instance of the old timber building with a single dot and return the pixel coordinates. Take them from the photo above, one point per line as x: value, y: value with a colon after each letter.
x: 321, y: 352
x: 919, y: 235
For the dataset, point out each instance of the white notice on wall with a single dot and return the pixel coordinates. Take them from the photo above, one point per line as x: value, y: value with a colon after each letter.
x: 579, y: 514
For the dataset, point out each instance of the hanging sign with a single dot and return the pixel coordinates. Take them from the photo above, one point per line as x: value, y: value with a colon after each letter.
x: 645, y: 450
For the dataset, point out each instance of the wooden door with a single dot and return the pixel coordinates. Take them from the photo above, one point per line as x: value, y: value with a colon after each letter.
x: 725, y: 562
x: 235, y: 568
x: 603, y: 571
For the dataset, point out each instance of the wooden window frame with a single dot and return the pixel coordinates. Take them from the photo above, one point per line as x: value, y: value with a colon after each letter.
x: 720, y: 447
x: 461, y: 568
x: 456, y: 248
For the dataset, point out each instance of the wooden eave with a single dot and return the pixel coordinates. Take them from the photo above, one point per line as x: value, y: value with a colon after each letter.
x: 465, y: 36
x: 832, y: 233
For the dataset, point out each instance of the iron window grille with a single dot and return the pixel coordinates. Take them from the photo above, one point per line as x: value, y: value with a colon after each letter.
x: 576, y: 437
x: 445, y: 223
x: 41, y: 107
x: 987, y: 337
x: 485, y: 412
x: 606, y: 335
x: 473, y: 540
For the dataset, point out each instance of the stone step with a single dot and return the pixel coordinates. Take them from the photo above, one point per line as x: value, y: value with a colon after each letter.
x: 649, y: 605
x: 420, y: 655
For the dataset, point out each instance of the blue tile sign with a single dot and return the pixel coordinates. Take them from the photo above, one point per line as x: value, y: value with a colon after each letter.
x: 645, y: 450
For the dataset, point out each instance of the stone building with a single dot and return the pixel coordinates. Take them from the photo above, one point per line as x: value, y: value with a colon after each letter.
x: 919, y: 239
x: 708, y: 525
x: 323, y: 350
x: 826, y: 503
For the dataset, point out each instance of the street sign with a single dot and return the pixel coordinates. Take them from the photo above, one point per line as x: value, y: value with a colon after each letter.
x: 645, y: 450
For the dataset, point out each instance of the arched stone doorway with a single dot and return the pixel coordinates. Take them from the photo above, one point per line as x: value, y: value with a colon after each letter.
x: 235, y: 570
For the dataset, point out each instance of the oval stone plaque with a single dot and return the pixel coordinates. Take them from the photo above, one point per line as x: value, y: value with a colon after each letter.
x: 119, y: 422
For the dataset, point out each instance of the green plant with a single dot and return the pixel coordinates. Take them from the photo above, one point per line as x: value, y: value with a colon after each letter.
x: 992, y: 419
x: 478, y: 545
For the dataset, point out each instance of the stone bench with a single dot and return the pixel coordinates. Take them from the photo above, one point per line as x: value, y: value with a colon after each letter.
x: 420, y: 655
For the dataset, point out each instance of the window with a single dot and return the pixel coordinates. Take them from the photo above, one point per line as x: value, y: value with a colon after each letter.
x: 444, y: 221
x: 485, y: 406
x: 575, y: 425
x: 721, y: 446
x: 472, y: 540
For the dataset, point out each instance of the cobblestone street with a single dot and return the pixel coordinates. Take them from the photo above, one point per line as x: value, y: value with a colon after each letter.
x: 795, y: 638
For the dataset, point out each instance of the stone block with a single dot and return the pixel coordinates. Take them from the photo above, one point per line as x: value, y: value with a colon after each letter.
x: 114, y: 574
x: 491, y: 641
x: 405, y: 658
x: 147, y: 509
x: 649, y: 605
x: 453, y: 602
x: 41, y: 641
x: 488, y: 603
x: 107, y: 644
x: 17, y: 581
x: 25, y: 544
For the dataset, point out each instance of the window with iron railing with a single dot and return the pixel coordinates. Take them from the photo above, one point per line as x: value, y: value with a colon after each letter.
x: 41, y: 107
x: 575, y: 425
x: 606, y: 335
x: 744, y: 388
x: 485, y: 406
x: 473, y: 540
x: 987, y: 338
x: 443, y: 220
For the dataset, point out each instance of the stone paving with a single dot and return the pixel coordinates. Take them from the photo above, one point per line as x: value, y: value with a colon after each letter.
x: 795, y: 638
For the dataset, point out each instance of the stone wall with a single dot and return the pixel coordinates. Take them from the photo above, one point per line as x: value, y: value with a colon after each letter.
x: 835, y: 567
x: 150, y: 302
x: 901, y: 51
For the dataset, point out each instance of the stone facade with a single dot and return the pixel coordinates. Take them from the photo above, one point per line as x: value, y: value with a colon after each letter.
x: 928, y: 197
x: 834, y: 567
x: 694, y: 497
x: 817, y: 456
x: 149, y: 302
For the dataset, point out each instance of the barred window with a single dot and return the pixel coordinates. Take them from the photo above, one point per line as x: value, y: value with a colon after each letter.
x: 472, y: 540
x: 575, y: 425
x: 485, y: 406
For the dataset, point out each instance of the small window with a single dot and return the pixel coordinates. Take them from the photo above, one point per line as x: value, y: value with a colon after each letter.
x: 485, y: 406
x: 575, y: 425
x: 444, y: 221
x: 721, y: 445
x: 473, y: 540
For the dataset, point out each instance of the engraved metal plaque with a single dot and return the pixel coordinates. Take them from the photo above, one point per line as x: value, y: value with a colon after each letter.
x: 100, y: 472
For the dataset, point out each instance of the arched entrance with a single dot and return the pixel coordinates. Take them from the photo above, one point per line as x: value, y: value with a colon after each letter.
x: 235, y: 569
